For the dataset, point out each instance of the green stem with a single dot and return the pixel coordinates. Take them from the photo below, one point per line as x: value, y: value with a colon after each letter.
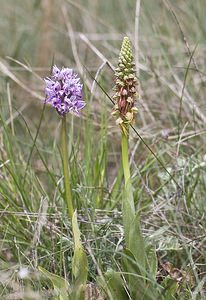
x: 128, y: 209
x: 67, y: 188
x: 125, y: 158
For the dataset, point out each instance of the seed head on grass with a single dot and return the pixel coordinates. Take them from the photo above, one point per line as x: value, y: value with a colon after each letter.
x: 64, y: 91
x: 125, y: 87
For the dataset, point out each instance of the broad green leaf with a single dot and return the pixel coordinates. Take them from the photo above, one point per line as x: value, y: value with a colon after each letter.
x: 78, y: 292
x: 136, y: 242
x: 116, y: 285
x: 152, y: 260
x: 76, y: 232
x: 80, y: 265
x: 61, y: 286
x: 133, y: 276
x: 130, y: 265
x: 128, y: 211
x: 140, y: 287
x: 170, y: 289
x: 116, y: 187
x: 79, y: 262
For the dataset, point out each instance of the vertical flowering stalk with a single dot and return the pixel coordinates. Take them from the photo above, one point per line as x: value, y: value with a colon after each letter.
x: 67, y: 187
x: 125, y: 110
x: 64, y: 92
x: 136, y: 267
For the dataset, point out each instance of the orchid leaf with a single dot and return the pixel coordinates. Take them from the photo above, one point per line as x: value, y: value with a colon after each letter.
x: 61, y: 286
x: 79, y: 262
x: 116, y: 285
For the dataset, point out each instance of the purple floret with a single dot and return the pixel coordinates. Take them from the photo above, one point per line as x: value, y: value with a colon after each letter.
x: 64, y: 91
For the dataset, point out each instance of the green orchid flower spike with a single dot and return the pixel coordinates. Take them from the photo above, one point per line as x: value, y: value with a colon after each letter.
x: 125, y: 87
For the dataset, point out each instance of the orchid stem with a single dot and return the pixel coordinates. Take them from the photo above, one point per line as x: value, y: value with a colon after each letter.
x: 125, y: 158
x: 67, y: 187
x: 128, y: 208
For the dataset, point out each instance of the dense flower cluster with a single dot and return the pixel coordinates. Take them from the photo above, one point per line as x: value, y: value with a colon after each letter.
x: 64, y: 91
x: 125, y: 87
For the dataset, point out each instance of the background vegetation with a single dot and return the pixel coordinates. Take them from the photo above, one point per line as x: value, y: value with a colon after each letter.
x: 34, y: 228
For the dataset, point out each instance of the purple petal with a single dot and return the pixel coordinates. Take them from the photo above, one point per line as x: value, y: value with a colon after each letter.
x: 64, y: 91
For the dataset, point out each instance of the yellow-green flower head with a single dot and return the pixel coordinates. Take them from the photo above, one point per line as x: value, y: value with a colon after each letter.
x: 125, y: 87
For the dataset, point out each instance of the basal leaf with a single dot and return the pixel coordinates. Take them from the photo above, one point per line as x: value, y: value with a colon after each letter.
x: 79, y: 262
x: 116, y: 285
x: 61, y: 286
x: 152, y: 260
x: 128, y: 211
x: 140, y: 286
x: 136, y: 242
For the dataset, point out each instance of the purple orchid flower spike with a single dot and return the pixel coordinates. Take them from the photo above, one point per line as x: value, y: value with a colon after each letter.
x: 64, y: 91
